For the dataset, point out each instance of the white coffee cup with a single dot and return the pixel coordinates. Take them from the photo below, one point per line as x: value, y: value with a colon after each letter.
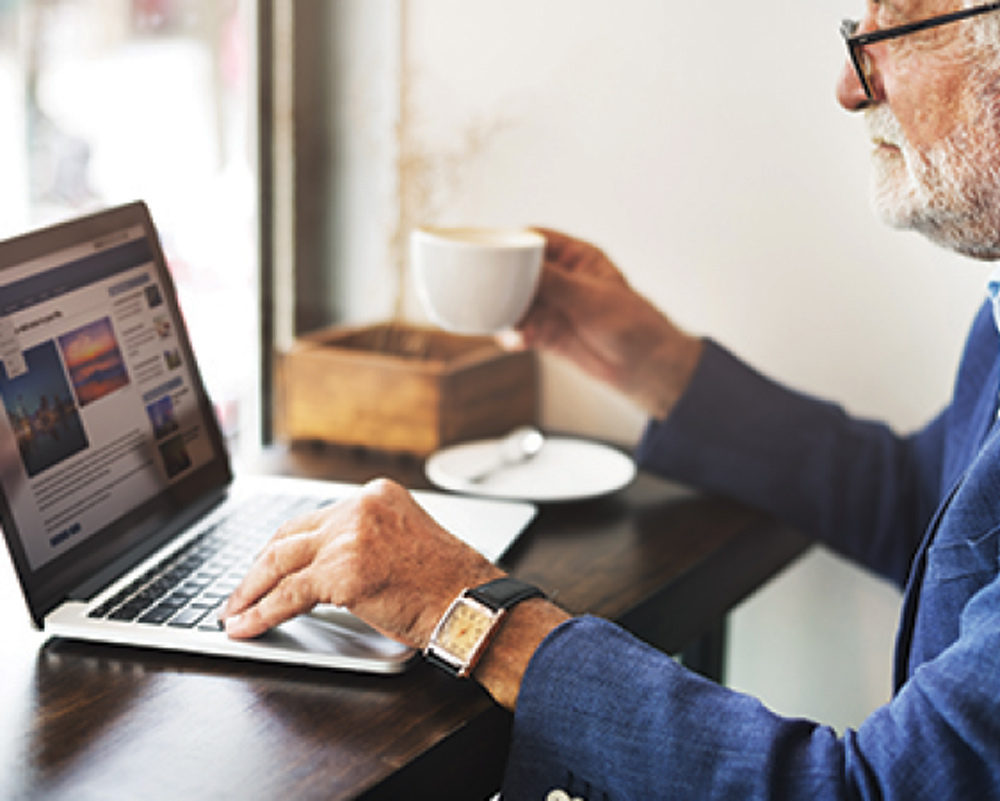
x: 476, y: 280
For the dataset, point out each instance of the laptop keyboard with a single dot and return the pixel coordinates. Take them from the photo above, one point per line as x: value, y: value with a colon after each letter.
x: 188, y: 587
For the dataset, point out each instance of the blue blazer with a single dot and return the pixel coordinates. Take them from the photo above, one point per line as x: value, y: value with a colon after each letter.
x: 601, y: 715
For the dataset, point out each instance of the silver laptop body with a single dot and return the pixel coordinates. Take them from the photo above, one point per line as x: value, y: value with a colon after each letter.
x: 118, y: 502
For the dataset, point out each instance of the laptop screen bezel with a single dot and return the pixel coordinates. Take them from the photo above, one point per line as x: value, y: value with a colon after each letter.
x: 120, y: 545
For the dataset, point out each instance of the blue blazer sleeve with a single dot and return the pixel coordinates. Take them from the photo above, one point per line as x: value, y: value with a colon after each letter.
x: 603, y: 716
x: 854, y: 484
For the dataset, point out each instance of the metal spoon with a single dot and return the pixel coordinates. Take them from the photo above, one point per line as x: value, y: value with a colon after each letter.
x: 519, y: 446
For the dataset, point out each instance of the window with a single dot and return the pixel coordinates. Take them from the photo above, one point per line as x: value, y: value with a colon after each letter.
x: 107, y: 101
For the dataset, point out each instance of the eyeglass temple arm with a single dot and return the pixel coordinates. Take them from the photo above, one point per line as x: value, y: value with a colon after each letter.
x: 848, y: 27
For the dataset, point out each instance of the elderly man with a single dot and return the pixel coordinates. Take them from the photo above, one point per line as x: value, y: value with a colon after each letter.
x: 598, y: 714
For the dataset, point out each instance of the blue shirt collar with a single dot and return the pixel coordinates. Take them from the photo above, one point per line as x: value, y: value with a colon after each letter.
x: 993, y: 290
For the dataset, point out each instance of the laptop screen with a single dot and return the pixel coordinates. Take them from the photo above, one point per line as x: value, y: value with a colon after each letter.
x: 106, y: 433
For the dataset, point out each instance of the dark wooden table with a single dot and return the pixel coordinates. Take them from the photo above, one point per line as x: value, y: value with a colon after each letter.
x: 82, y: 721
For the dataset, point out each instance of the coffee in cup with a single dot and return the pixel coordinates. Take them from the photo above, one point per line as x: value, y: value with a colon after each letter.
x: 476, y: 280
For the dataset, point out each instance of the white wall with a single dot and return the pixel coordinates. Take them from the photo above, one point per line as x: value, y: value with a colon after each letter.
x: 701, y: 145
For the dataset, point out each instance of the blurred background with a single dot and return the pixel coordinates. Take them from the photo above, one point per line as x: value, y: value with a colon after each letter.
x: 286, y: 146
x: 107, y: 101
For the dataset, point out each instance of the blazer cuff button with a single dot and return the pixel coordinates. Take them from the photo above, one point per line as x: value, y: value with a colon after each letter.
x: 560, y: 795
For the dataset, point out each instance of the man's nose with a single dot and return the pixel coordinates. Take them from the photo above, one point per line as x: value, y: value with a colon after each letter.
x: 850, y: 93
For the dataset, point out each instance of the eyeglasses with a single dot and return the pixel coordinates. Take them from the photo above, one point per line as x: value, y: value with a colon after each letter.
x: 856, y: 41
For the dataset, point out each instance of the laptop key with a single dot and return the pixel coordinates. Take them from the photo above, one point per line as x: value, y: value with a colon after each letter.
x: 210, y: 622
x: 129, y: 611
x: 158, y: 614
x: 188, y: 618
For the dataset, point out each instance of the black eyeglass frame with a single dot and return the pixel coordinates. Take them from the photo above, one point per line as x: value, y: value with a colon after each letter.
x: 856, y: 41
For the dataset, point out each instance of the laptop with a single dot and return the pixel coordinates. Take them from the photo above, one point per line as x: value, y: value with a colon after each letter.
x: 119, y: 505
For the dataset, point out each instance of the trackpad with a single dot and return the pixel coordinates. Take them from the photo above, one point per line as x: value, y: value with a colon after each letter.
x: 333, y: 630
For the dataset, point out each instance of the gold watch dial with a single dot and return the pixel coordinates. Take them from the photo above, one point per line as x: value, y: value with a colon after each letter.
x: 464, y: 628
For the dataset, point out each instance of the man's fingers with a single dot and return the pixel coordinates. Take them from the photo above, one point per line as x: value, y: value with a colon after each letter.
x: 290, y: 597
x: 282, y: 557
x: 577, y: 256
x: 300, y: 524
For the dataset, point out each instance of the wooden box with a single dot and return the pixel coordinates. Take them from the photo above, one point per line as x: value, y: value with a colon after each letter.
x: 402, y: 389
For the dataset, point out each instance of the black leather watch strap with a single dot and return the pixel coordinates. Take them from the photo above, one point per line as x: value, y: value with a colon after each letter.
x: 435, y: 659
x: 503, y: 593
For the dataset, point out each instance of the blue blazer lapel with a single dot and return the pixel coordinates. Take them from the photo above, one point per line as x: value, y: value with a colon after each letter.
x: 973, y: 419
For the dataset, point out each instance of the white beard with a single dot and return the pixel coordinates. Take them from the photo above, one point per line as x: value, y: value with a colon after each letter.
x: 949, y: 193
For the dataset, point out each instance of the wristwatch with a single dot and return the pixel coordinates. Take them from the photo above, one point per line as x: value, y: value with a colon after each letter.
x: 463, y: 632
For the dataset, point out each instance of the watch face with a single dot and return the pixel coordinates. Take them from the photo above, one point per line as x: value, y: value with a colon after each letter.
x: 464, y: 628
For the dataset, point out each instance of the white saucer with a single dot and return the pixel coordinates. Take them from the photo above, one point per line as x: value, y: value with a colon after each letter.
x: 566, y: 469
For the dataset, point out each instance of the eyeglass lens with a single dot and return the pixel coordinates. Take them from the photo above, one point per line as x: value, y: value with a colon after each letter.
x: 859, y: 58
